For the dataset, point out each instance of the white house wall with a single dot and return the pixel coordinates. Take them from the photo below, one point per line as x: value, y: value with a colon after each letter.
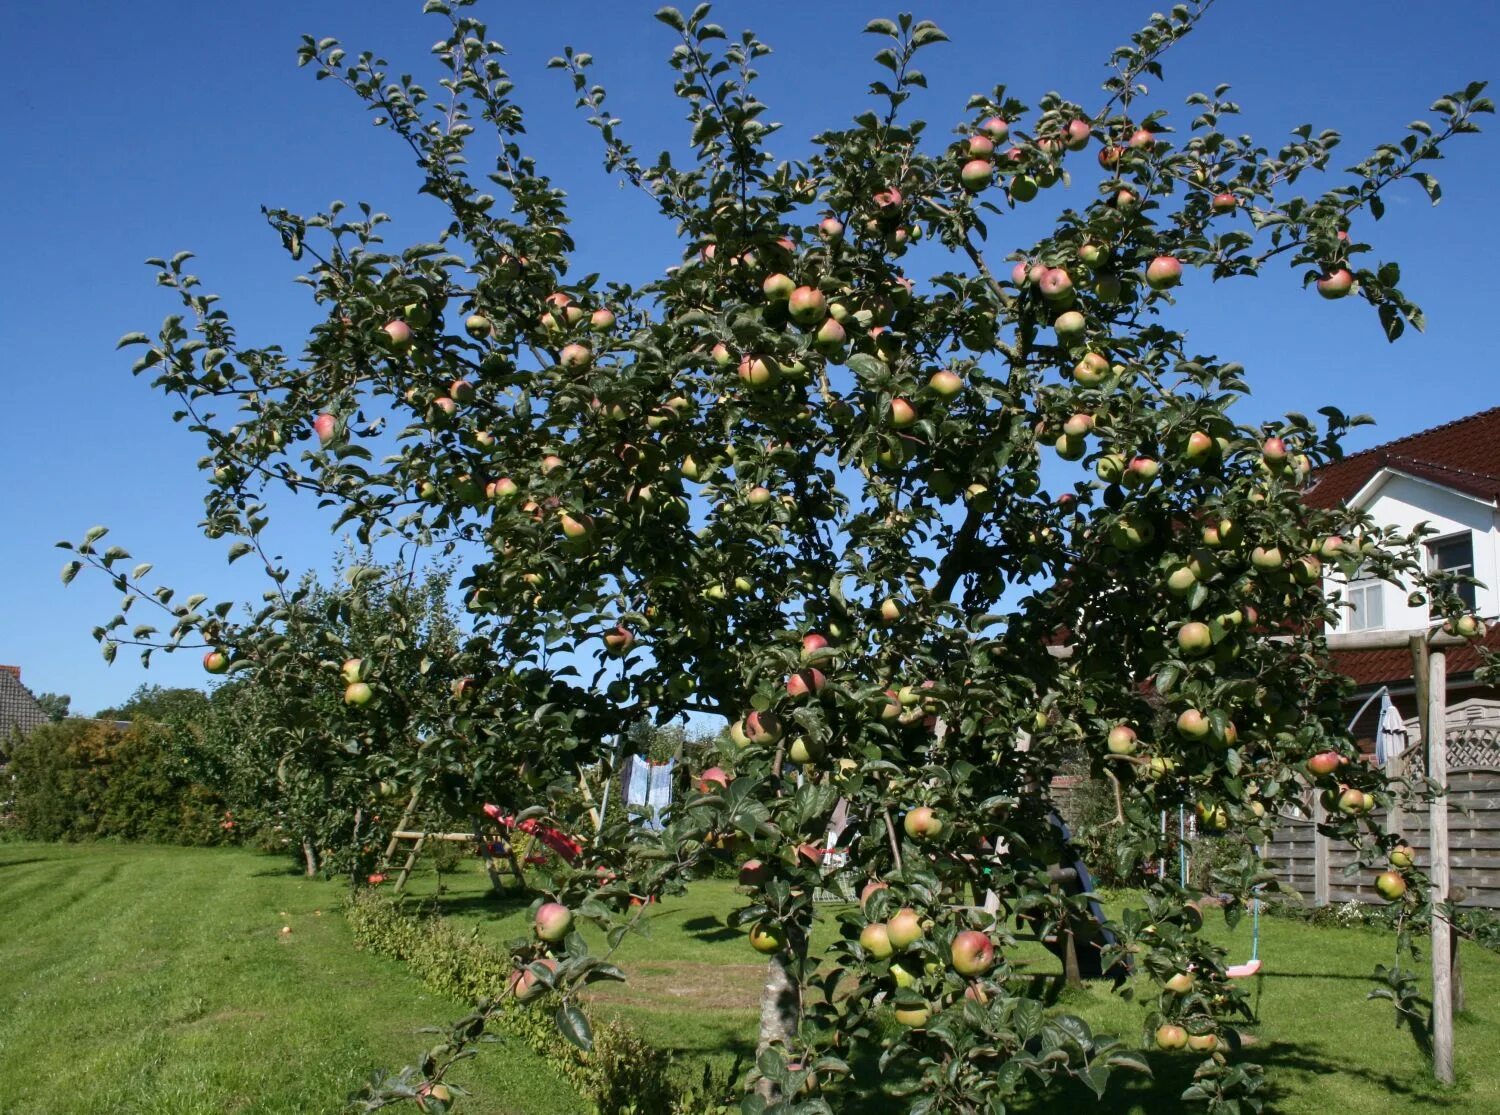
x: 1404, y: 502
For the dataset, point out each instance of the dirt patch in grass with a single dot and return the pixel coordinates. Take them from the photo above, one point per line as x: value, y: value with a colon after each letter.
x: 689, y: 987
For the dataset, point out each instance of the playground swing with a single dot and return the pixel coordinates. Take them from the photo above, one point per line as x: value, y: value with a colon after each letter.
x: 1252, y: 966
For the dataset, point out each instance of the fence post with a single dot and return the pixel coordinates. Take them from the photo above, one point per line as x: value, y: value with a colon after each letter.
x: 1442, y: 955
x: 1320, y: 853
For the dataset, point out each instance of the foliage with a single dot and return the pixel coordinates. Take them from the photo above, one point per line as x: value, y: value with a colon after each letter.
x: 619, y: 1075
x: 55, y: 705
x: 86, y: 780
x: 834, y: 418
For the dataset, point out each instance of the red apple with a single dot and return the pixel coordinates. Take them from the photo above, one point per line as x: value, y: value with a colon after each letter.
x: 1121, y: 740
x: 808, y: 682
x: 996, y: 128
x: 575, y: 528
x: 1336, y: 284
x: 1056, y: 285
x: 602, y: 320
x: 1142, y: 139
x: 1200, y: 447
x: 976, y: 174
x: 830, y: 228
x: 1078, y: 134
x: 1325, y: 763
x: 812, y: 642
x: 869, y: 890
x: 398, y: 335
x: 358, y: 693
x: 325, y: 426
x: 619, y: 640
x: 216, y: 661
x: 353, y: 670
x: 903, y: 414
x: 754, y: 873
x: 807, y: 306
x: 1092, y: 370
x: 1223, y: 203
x: 1163, y: 272
x: 1202, y: 1043
x: 1070, y: 327
x: 762, y: 728
x: 713, y: 780
x: 972, y: 953
x: 552, y: 922
x: 946, y: 383
x: 778, y: 287
x: 1180, y: 983
x: 576, y: 357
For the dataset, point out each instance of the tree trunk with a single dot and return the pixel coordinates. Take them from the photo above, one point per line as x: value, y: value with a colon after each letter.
x: 780, y: 1009
x: 310, y: 855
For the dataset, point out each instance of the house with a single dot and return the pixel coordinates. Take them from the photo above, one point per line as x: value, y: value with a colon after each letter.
x: 1447, y: 477
x: 19, y: 711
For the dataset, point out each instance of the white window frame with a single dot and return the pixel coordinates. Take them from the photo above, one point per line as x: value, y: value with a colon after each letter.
x: 1359, y: 591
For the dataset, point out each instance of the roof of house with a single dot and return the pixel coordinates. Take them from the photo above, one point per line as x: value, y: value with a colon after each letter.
x: 1382, y: 667
x: 18, y: 708
x: 1463, y: 455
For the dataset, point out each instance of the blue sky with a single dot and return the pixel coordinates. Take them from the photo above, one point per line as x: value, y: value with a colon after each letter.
x: 144, y: 129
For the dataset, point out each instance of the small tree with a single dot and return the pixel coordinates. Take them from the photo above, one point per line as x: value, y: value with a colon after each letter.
x: 822, y: 479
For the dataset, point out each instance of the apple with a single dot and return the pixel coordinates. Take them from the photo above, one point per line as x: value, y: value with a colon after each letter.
x: 713, y: 780
x: 762, y: 728
x: 1194, y: 638
x: 869, y: 890
x: 1056, y: 285
x: 602, y: 320
x: 759, y: 371
x: 778, y: 287
x: 619, y: 640
x: 1093, y: 255
x: 1163, y: 272
x: 996, y: 128
x: 812, y: 642
x: 461, y: 391
x: 1307, y: 569
x: 754, y: 873
x: 551, y: 461
x: 1212, y: 817
x: 216, y: 661
x: 1070, y: 327
x: 1223, y: 203
x: 946, y: 383
x: 1092, y: 370
x: 358, y: 693
x: 972, y: 953
x: 875, y: 939
x: 1181, y: 581
x: 1110, y: 467
x: 830, y: 339
x: 1022, y: 188
x: 1129, y: 533
x: 1121, y: 740
x: 1160, y: 767
x: 353, y: 670
x: 887, y: 201
x: 1266, y: 557
x: 1331, y: 547
x: 325, y: 426
x: 913, y: 1016
x: 1142, y: 471
x: 903, y: 414
x: 1143, y: 139
x: 830, y: 229
x: 976, y: 174
x: 1391, y: 885
x: 807, y: 306
x: 1181, y: 983
x: 803, y: 751
x: 1336, y: 284
x: 922, y: 823
x: 478, y: 326
x: 767, y: 937
x: 1171, y: 1038
x: 1193, y: 724
x: 890, y: 610
x: 1200, y: 447
x: 806, y: 682
x: 576, y: 357
x: 1078, y: 425
x: 1109, y: 157
x: 1325, y: 762
x: 1077, y: 135
x: 398, y: 335
x: 979, y: 146
x: 904, y: 929
x: 1070, y: 448
x: 1351, y: 802
x: 1403, y: 855
x: 1202, y: 1043
x: 1221, y: 533
x: 576, y: 528
x: 552, y: 922
x: 443, y: 411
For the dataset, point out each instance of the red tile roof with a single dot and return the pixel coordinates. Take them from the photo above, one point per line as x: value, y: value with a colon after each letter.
x: 1463, y: 455
x: 1383, y: 667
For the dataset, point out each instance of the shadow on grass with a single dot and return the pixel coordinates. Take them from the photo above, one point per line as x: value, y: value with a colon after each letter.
x: 708, y: 928
x: 24, y: 862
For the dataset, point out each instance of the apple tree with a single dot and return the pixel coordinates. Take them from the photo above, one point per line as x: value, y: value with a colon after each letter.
x: 914, y: 508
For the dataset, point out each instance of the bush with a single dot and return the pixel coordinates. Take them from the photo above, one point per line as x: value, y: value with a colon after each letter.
x: 622, y: 1075
x: 91, y: 780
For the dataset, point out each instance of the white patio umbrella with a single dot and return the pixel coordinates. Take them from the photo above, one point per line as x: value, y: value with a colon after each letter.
x: 1390, y: 736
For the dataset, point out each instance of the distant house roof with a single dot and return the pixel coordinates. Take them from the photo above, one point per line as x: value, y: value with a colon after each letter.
x: 1463, y: 455
x: 18, y: 708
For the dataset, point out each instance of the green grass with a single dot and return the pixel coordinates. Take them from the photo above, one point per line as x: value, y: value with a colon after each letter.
x: 694, y: 988
x: 157, y: 981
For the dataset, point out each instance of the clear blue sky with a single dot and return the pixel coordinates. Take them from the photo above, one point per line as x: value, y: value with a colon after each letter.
x: 143, y: 129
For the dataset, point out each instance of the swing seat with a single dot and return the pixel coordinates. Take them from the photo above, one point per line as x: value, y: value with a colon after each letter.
x: 1243, y: 971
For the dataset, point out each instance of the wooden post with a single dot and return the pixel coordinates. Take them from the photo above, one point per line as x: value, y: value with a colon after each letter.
x: 1442, y: 955
x: 1320, y: 853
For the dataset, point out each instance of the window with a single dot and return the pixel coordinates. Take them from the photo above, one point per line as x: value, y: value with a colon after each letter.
x: 1454, y: 555
x: 1365, y: 595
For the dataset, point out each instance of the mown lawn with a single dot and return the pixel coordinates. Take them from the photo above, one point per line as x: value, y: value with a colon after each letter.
x: 157, y: 980
x: 694, y: 988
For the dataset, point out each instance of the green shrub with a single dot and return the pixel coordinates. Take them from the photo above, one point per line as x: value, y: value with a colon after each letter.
x: 91, y: 780
x: 622, y: 1075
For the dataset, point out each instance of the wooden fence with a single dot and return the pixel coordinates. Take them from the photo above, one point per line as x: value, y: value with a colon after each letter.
x: 1314, y: 865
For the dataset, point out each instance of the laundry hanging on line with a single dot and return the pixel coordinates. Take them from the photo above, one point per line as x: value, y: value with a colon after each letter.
x: 648, y: 790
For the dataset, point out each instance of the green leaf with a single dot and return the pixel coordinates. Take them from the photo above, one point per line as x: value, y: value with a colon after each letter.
x: 132, y: 339
x: 239, y: 550
x: 881, y: 27
x: 70, y: 570
x: 572, y: 1024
